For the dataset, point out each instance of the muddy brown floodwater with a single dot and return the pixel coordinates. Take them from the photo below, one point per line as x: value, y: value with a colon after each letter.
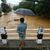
x: 32, y: 21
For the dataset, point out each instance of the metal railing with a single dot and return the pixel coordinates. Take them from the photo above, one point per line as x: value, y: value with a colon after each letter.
x: 28, y: 35
x: 30, y: 29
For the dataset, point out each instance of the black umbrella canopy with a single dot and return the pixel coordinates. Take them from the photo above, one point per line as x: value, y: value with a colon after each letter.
x: 23, y: 11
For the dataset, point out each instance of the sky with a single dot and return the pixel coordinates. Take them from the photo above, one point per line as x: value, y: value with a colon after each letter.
x: 13, y: 1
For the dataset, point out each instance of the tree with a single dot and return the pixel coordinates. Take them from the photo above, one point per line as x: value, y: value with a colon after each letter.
x: 38, y: 8
x: 3, y: 1
x: 15, y: 7
x: 27, y: 5
x: 5, y: 8
x: 43, y: 8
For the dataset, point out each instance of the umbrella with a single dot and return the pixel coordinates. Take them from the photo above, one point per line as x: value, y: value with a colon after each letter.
x: 23, y: 11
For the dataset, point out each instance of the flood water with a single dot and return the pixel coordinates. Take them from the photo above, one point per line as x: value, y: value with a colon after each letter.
x: 32, y: 21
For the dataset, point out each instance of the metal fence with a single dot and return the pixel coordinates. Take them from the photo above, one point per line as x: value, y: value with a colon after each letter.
x: 30, y: 34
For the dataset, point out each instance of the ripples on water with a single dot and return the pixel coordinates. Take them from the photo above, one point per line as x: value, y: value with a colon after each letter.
x: 32, y: 21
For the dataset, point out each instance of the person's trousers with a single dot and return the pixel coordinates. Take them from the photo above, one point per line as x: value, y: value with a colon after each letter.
x: 40, y: 36
x: 4, y: 38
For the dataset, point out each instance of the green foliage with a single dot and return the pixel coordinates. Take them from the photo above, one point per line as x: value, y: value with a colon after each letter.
x: 4, y: 1
x: 43, y: 8
x: 15, y: 7
x: 39, y: 9
x: 27, y: 5
x: 5, y: 8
